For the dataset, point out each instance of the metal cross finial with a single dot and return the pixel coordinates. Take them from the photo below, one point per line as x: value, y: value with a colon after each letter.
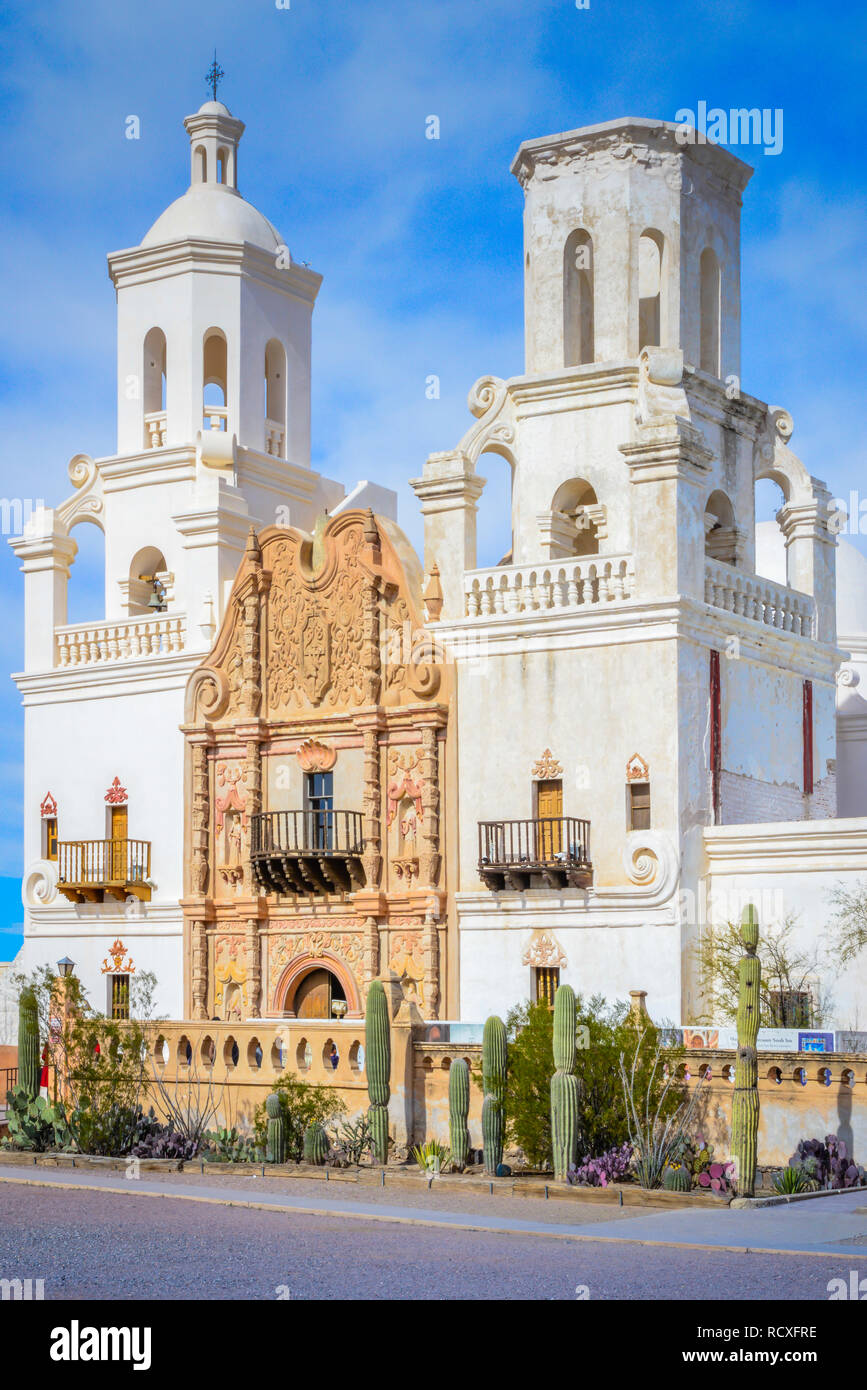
x: 214, y: 75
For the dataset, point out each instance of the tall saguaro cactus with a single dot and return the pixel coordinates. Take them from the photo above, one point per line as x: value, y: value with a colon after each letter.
x: 28, y: 1042
x: 745, y: 1101
x: 565, y: 1086
x: 459, y: 1109
x: 377, y: 1064
x: 494, y: 1063
x: 275, y: 1151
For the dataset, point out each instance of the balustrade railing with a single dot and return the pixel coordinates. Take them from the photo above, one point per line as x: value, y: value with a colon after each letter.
x: 593, y: 581
x: 88, y: 644
x: 274, y: 437
x: 155, y: 424
x: 306, y: 832
x: 98, y: 863
x: 760, y: 600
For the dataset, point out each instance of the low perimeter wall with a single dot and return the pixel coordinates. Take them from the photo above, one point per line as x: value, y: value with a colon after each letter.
x: 801, y: 1095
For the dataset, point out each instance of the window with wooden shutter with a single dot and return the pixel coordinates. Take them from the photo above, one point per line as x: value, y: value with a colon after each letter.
x: 639, y: 805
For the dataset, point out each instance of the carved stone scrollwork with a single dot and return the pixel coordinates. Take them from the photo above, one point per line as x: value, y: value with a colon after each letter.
x: 370, y: 652
x: 372, y: 856
x: 371, y: 951
x: 200, y: 970
x: 429, y: 855
x: 200, y: 867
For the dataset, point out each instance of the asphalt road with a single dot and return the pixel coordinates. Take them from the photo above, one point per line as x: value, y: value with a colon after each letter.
x: 98, y: 1245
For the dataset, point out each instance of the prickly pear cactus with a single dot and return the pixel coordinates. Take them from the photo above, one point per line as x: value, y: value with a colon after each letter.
x: 745, y: 1101
x: 565, y: 1087
x: 677, y: 1180
x: 459, y: 1109
x: 28, y: 1042
x: 377, y: 1064
x: 494, y: 1064
x: 275, y: 1150
x: 315, y: 1145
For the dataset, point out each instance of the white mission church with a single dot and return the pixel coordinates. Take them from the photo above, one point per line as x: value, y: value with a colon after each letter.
x: 654, y: 708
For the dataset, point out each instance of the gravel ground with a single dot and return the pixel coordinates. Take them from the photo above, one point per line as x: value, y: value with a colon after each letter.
x: 89, y: 1245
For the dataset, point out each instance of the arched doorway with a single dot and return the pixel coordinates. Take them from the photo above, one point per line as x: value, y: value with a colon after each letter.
x: 315, y: 993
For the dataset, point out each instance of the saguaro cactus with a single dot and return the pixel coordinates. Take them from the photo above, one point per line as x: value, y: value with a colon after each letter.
x: 745, y: 1101
x: 459, y: 1109
x: 565, y: 1087
x: 377, y: 1064
x: 315, y: 1145
x: 28, y: 1042
x: 494, y: 1063
x: 275, y: 1150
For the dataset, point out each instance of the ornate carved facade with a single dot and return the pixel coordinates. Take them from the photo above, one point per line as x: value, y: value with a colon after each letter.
x: 317, y: 732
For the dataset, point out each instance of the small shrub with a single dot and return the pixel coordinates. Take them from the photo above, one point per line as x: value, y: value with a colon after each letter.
x: 793, y: 1179
x: 350, y: 1143
x: 828, y: 1164
x: 33, y: 1123
x: 432, y: 1156
x: 228, y: 1146
x: 153, y: 1139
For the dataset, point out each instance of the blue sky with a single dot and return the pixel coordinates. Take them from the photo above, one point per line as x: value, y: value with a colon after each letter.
x: 419, y: 241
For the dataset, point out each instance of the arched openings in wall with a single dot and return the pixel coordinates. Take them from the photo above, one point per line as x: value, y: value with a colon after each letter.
x: 651, y: 258
x: 578, y: 518
x: 771, y: 554
x: 710, y: 310
x: 222, y: 165
x: 578, y: 346
x: 214, y: 376
x: 721, y: 533
x: 200, y: 164
x: 85, y: 591
x: 275, y: 399
x: 147, y: 589
x: 494, y: 517
x: 154, y: 389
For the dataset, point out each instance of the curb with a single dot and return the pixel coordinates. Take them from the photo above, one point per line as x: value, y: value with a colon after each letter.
x: 784, y: 1199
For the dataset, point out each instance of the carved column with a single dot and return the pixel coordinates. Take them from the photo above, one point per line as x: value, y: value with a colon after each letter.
x: 253, y: 771
x: 371, y: 654
x: 200, y: 970
x: 201, y: 814
x: 251, y: 665
x: 371, y: 951
x: 254, y: 973
x: 431, y: 951
x: 429, y: 857
x: 372, y: 804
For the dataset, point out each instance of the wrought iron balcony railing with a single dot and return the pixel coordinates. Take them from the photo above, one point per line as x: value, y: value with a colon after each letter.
x: 553, y: 850
x: 307, y: 851
x: 93, y: 870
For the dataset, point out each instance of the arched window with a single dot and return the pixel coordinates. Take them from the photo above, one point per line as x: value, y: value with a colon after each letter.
x: 214, y: 376
x: 721, y: 534
x: 148, y: 583
x: 200, y: 164
x: 576, y: 502
x: 275, y: 399
x: 222, y: 165
x: 710, y: 312
x: 578, y: 346
x: 154, y: 389
x: 650, y: 255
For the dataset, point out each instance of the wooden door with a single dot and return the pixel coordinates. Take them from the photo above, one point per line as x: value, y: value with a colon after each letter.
x: 549, y: 810
x: 119, y: 837
x: 313, y: 995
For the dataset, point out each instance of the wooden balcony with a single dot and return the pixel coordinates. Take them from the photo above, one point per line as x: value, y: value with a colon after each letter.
x: 89, y: 871
x: 304, y: 852
x: 547, y: 852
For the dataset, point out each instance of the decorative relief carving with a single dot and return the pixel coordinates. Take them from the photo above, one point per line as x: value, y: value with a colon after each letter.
x: 254, y: 970
x: 402, y: 783
x: 48, y: 807
x: 116, y: 794
x: 543, y: 949
x: 431, y: 955
x: 114, y: 963
x: 406, y: 959
x: 547, y: 768
x: 199, y: 964
x: 316, y: 942
x: 315, y: 756
x: 372, y: 855
x: 231, y: 821
x: 200, y: 820
x: 429, y: 857
x: 230, y: 978
x: 637, y: 770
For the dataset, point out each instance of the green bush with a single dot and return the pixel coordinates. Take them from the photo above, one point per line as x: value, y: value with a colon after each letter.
x: 602, y: 1111
x: 303, y: 1103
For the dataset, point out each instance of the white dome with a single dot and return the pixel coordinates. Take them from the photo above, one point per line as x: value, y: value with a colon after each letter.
x: 851, y: 575
x: 216, y: 213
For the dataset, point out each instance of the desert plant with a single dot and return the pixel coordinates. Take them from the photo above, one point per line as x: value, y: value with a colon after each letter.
x: 153, y: 1139
x: 745, y: 1100
x: 229, y: 1146
x: 655, y: 1131
x: 33, y: 1123
x: 609, y: 1167
x: 494, y: 1069
x: 717, y: 1177
x: 677, y: 1178
x: 828, y: 1164
x: 315, y: 1145
x: 275, y: 1150
x: 459, y: 1109
x: 432, y: 1156
x: 377, y: 1061
x: 789, y: 972
x: 565, y: 1089
x: 301, y: 1103
x: 350, y: 1143
x: 28, y: 1042
x: 792, y: 1180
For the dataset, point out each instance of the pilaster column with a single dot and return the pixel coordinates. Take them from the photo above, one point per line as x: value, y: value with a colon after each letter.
x: 431, y: 953
x: 199, y: 963
x: 429, y: 834
x: 372, y: 808
x: 254, y: 973
x: 201, y: 813
x: 45, y: 552
x: 449, y: 490
x: 811, y: 558
x: 371, y: 951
